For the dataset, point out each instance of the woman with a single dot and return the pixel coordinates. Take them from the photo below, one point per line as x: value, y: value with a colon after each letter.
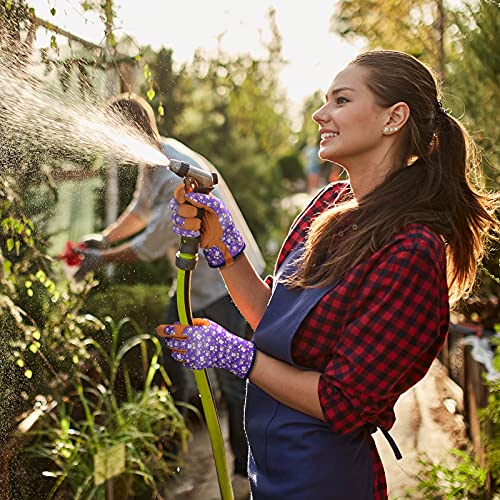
x: 359, y: 305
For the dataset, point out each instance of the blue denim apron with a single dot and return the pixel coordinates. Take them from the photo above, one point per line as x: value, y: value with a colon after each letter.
x: 294, y: 456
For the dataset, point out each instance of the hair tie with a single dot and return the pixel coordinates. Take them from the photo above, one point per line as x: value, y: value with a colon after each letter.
x: 441, y: 110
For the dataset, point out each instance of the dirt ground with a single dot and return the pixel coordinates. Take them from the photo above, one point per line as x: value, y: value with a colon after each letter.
x: 428, y: 421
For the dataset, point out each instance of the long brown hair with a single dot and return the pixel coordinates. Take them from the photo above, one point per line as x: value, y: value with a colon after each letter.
x: 432, y: 185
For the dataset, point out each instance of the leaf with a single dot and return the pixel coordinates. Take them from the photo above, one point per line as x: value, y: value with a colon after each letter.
x: 151, y: 94
x: 10, y: 244
x: 161, y: 110
x: 53, y: 11
x: 53, y: 42
x: 28, y: 373
x: 7, y: 265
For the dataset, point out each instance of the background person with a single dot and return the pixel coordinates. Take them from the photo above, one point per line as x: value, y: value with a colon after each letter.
x: 358, y: 307
x: 313, y: 168
x: 147, y: 230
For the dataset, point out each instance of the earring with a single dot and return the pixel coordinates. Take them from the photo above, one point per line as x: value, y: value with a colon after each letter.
x: 389, y: 130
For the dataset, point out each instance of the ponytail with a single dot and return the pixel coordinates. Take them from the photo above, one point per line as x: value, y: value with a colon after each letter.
x: 472, y: 217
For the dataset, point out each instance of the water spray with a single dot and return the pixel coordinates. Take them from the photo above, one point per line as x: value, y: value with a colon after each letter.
x: 35, y: 120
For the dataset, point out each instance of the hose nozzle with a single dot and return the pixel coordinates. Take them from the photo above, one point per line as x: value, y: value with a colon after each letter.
x: 195, y: 179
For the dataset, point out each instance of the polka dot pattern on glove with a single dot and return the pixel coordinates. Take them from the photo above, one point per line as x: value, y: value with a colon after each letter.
x: 208, y: 345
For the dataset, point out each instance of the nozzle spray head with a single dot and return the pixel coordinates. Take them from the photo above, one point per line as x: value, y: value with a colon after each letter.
x: 195, y: 179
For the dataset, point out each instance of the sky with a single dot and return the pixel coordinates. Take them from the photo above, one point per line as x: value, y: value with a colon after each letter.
x: 314, y: 55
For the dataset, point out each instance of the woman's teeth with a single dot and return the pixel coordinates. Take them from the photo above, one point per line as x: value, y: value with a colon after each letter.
x: 327, y: 135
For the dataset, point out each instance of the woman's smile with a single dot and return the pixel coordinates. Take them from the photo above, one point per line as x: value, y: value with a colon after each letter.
x: 326, y: 136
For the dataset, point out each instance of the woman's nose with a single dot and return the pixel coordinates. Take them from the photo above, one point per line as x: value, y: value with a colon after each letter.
x: 319, y: 115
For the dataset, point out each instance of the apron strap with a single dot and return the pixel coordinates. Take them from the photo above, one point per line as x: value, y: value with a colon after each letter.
x: 373, y: 428
x: 392, y: 444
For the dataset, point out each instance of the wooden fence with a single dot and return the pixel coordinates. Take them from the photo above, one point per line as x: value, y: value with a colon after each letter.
x: 469, y: 374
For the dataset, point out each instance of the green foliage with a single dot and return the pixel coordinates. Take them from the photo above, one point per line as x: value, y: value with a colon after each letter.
x: 490, y: 418
x: 291, y: 167
x: 392, y: 24
x: 42, y: 329
x: 144, y: 303
x: 232, y: 110
x: 169, y: 100
x: 472, y: 93
x: 235, y: 118
x: 473, y: 77
x: 308, y: 132
x: 92, y: 418
x: 465, y: 479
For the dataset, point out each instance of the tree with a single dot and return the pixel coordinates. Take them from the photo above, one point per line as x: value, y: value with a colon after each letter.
x: 415, y: 27
x: 474, y: 76
x: 235, y: 115
x: 170, y: 91
x: 309, y: 129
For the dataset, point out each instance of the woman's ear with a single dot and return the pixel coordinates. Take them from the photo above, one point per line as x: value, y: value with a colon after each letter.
x: 397, y: 117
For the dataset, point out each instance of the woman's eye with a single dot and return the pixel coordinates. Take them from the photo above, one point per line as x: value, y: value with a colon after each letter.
x: 341, y: 100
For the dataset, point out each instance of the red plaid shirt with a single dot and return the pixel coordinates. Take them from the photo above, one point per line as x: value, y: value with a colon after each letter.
x: 376, y: 333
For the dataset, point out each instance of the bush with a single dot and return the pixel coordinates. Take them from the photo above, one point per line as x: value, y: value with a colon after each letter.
x: 40, y: 321
x: 145, y: 304
x: 98, y: 415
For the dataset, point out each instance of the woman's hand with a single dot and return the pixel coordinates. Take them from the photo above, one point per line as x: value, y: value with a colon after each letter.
x: 207, y: 345
x: 220, y: 239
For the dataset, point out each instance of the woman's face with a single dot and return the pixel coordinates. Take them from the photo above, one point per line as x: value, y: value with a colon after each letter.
x: 350, y: 121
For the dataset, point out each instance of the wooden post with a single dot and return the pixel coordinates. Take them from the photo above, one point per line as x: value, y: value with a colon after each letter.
x: 475, y: 398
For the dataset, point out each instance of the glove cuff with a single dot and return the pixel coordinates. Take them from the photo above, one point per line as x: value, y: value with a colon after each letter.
x: 247, y: 374
x: 240, y: 357
x: 96, y: 241
x: 224, y: 265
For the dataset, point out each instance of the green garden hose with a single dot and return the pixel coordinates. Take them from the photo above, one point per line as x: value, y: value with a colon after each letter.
x: 186, y: 261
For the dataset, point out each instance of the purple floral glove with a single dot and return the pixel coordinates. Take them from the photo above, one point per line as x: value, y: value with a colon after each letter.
x: 207, y: 345
x: 220, y: 239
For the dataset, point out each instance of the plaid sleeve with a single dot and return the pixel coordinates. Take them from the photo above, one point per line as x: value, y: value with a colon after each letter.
x: 396, y: 319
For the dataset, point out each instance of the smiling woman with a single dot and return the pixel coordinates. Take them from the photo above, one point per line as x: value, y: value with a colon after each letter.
x: 358, y: 307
